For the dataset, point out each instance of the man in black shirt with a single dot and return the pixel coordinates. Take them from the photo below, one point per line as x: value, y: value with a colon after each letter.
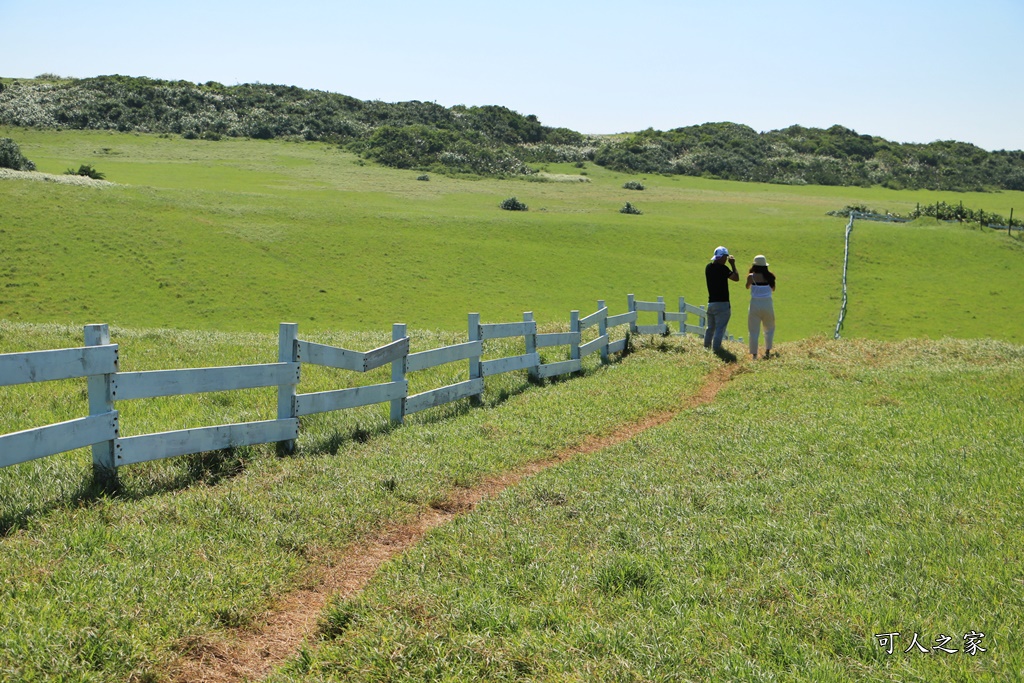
x: 719, y: 309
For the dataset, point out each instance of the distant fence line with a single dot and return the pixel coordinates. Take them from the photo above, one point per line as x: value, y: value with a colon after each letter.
x: 98, y: 362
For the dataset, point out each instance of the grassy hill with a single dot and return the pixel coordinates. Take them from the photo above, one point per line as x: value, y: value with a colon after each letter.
x: 314, y: 236
x: 770, y: 528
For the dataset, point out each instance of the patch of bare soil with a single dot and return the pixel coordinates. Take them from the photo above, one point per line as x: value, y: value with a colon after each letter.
x: 251, y: 654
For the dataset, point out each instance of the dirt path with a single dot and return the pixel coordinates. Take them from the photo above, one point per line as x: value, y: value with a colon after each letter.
x: 252, y: 654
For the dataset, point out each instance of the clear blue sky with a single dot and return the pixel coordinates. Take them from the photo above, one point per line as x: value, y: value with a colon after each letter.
x: 906, y: 70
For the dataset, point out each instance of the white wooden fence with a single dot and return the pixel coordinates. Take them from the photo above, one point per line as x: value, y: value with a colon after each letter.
x: 98, y: 361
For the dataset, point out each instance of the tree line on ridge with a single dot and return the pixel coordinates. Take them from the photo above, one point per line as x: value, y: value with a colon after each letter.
x: 494, y: 140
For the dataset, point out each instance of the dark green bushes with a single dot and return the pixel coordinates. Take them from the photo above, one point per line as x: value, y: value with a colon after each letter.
x: 86, y: 171
x: 416, y: 146
x: 958, y: 212
x: 513, y: 204
x: 11, y: 156
x: 940, y: 211
x: 805, y: 156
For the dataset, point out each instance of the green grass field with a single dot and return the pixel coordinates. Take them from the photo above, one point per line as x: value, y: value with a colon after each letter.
x: 843, y: 490
x: 311, y: 236
x: 846, y: 489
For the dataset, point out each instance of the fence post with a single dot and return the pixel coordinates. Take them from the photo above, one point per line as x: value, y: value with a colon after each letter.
x: 531, y: 346
x: 602, y: 330
x: 682, y: 318
x: 398, y: 371
x: 101, y: 400
x: 1009, y: 223
x: 474, y: 361
x: 661, y: 316
x: 631, y: 306
x: 287, y: 352
x: 574, y: 326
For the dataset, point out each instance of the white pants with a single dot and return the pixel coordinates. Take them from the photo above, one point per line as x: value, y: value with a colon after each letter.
x: 761, y: 312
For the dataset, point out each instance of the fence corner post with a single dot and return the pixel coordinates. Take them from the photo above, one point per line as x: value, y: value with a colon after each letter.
x: 631, y: 307
x: 682, y: 316
x: 398, y: 372
x: 101, y: 401
x: 474, y: 361
x: 287, y: 352
x: 662, y: 325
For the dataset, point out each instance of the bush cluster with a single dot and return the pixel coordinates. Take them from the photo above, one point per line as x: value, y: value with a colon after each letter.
x: 939, y: 210
x: 959, y: 212
x: 634, y: 185
x: 629, y: 208
x: 86, y: 171
x: 513, y: 204
x: 486, y: 140
x: 812, y: 156
x: 11, y: 156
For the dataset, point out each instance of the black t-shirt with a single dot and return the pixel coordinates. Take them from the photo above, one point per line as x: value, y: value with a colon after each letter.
x: 717, y: 276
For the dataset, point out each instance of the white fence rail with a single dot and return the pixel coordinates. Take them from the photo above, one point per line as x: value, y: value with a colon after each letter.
x: 98, y: 361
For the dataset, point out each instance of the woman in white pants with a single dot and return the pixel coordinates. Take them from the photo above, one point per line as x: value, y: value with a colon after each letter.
x: 761, y: 283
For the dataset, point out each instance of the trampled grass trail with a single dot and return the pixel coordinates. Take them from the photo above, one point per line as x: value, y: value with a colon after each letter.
x: 252, y: 654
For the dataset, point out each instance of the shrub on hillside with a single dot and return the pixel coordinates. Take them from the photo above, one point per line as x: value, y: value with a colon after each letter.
x: 11, y: 156
x: 629, y: 208
x: 513, y: 204
x: 423, y: 177
x: 634, y: 185
x: 86, y: 171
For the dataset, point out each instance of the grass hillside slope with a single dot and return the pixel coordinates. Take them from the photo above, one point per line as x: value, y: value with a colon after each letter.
x: 850, y: 500
x: 309, y: 234
x: 843, y: 490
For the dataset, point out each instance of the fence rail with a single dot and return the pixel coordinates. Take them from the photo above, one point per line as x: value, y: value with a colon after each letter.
x: 46, y: 366
x: 129, y: 386
x: 56, y: 438
x: 98, y: 362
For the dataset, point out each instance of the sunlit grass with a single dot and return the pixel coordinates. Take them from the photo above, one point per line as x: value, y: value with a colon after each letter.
x: 839, y: 491
x: 312, y: 235
x: 190, y: 546
x: 842, y: 492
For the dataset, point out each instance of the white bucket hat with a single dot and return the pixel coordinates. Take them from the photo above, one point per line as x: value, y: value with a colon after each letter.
x: 760, y: 260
